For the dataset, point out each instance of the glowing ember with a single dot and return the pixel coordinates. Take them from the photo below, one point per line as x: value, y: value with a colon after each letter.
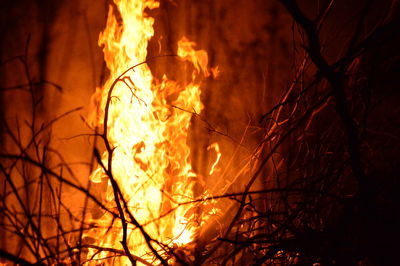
x: 150, y: 161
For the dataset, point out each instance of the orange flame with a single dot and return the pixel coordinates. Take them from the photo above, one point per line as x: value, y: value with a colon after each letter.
x: 150, y: 161
x: 215, y: 146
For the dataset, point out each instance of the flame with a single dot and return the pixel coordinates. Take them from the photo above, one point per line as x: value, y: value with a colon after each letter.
x: 150, y: 161
x: 215, y: 146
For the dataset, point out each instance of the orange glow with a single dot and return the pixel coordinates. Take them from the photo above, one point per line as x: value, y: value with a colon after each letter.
x: 151, y: 160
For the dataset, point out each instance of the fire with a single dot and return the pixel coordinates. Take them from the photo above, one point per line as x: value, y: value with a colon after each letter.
x: 150, y: 158
x: 215, y: 146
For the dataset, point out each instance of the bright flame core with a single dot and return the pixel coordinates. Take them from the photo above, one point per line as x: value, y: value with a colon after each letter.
x: 150, y: 161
